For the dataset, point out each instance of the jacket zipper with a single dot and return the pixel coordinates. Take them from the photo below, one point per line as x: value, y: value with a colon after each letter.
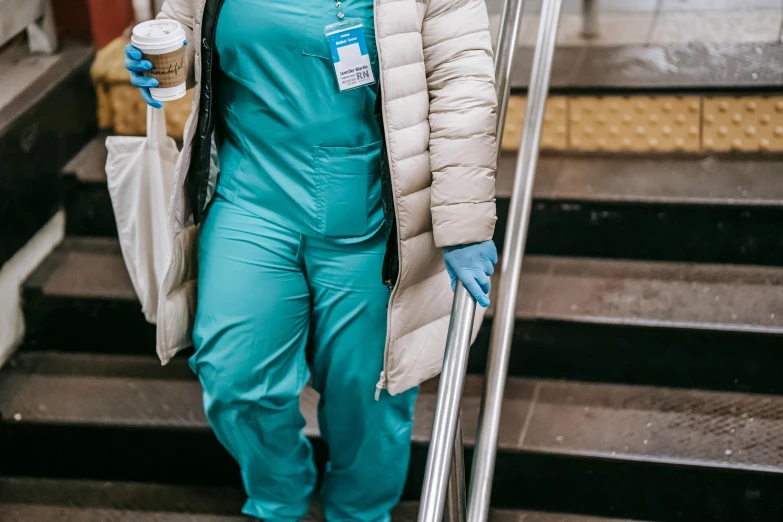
x: 384, y: 378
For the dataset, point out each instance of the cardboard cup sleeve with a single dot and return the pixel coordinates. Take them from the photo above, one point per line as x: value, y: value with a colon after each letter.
x: 168, y: 69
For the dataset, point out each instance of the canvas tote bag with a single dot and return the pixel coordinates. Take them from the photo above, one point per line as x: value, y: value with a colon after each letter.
x: 140, y: 175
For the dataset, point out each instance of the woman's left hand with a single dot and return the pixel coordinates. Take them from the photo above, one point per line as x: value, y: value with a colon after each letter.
x: 472, y: 264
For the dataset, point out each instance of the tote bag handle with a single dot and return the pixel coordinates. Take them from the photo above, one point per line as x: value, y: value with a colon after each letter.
x: 156, y: 125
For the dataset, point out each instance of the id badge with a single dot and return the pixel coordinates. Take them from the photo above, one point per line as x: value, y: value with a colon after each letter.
x: 349, y: 54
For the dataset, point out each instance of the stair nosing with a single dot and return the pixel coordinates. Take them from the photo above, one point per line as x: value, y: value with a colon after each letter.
x: 534, y: 410
x: 569, y: 289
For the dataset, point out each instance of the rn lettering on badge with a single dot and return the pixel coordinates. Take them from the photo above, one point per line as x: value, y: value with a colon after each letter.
x: 350, y: 55
x: 363, y: 73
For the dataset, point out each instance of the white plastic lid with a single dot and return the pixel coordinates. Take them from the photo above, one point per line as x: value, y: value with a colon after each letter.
x: 158, y: 33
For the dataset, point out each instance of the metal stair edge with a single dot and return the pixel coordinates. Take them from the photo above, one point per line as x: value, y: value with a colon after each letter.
x: 581, y: 290
x: 679, y: 427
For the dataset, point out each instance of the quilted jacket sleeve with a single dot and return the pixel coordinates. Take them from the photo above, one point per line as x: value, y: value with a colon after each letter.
x: 182, y: 12
x: 460, y: 78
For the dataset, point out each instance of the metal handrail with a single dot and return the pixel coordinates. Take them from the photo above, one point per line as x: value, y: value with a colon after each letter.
x: 510, y: 21
x: 590, y: 18
x: 445, y: 438
x: 455, y: 494
x: 444, y: 475
x: 516, y: 236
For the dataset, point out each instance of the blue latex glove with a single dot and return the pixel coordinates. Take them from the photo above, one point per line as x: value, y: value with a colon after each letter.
x: 136, y: 66
x: 472, y: 264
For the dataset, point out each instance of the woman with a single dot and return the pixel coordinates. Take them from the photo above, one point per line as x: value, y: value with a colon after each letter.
x: 329, y: 224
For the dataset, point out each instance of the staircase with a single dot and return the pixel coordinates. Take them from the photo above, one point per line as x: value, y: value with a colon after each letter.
x: 645, y: 381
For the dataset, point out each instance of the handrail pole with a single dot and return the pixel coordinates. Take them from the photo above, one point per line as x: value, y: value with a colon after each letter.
x: 504, y: 59
x: 590, y: 18
x: 516, y: 235
x: 446, y: 422
x: 455, y: 495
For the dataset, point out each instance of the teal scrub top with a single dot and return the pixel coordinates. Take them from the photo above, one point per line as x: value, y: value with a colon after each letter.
x: 292, y: 147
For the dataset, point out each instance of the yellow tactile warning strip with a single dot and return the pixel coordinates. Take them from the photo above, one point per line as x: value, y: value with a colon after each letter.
x: 746, y: 124
x: 638, y: 124
x: 554, y: 134
x: 654, y: 124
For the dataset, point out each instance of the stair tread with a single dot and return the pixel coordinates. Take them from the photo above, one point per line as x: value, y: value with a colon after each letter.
x: 611, y: 179
x: 623, y: 422
x: 677, y: 181
x: 85, y: 268
x: 22, y: 493
x: 25, y: 78
x: 673, y: 295
x: 658, y: 294
x: 44, y: 500
x: 19, y: 69
x: 36, y: 513
x: 114, y: 401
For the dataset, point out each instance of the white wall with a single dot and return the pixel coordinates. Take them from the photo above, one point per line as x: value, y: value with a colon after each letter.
x: 12, y: 275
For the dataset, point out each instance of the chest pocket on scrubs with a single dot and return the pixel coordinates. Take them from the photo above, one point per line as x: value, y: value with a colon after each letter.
x: 315, y: 43
x: 344, y: 179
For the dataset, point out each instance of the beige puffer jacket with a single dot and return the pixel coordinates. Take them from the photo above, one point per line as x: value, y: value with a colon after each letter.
x: 439, y: 112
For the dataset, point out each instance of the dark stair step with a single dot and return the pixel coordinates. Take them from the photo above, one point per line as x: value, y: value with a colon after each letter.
x: 679, y: 209
x: 47, y: 500
x: 47, y: 114
x: 675, y: 324
x: 82, y: 299
x: 686, y: 209
x: 87, y: 204
x: 625, y: 451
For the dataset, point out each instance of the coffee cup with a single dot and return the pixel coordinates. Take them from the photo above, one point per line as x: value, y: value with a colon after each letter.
x: 162, y: 42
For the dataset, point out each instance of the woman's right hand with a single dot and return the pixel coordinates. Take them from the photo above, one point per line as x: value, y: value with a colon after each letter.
x: 137, y: 66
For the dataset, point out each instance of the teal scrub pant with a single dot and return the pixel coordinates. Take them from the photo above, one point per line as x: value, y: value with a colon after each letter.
x: 262, y: 290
